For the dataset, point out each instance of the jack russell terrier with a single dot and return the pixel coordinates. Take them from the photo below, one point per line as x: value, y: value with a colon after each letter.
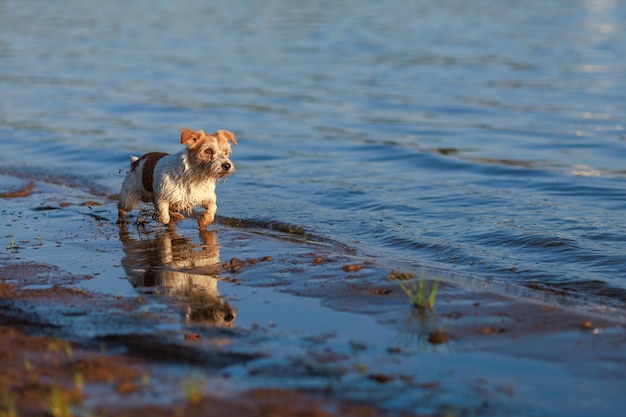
x: 179, y: 182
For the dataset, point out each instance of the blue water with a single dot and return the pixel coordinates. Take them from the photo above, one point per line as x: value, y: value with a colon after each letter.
x: 486, y: 139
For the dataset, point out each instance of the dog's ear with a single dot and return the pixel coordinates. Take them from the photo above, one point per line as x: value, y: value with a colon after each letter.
x: 226, y: 135
x: 186, y: 135
x: 191, y: 136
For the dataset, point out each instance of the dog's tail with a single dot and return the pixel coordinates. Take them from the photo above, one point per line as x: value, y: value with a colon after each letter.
x: 133, y: 159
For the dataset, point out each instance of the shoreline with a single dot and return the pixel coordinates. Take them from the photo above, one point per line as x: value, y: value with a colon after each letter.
x: 299, y: 333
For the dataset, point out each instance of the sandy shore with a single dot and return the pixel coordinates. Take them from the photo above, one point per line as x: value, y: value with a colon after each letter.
x: 266, y: 319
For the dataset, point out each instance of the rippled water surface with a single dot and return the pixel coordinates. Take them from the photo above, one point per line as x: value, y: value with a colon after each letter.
x: 481, y: 138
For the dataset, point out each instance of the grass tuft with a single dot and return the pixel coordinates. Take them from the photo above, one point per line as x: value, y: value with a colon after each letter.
x: 59, y: 345
x: 28, y: 366
x: 79, y: 382
x: 193, y: 388
x: 12, y: 247
x: 421, y: 293
x: 7, y: 407
x: 58, y: 403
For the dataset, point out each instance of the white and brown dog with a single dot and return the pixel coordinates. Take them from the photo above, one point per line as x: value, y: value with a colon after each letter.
x: 179, y: 182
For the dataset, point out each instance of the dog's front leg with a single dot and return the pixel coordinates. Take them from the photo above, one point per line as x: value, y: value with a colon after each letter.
x: 209, y: 215
x: 163, y: 208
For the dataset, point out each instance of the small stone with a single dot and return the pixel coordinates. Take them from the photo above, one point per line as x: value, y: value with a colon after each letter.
x: 438, y: 337
x: 352, y: 267
x: 380, y: 378
x: 586, y: 324
x: 125, y: 387
x: 492, y: 330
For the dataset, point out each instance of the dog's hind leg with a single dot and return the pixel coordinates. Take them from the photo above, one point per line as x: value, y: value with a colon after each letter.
x: 175, y: 213
x: 126, y: 203
x: 121, y: 216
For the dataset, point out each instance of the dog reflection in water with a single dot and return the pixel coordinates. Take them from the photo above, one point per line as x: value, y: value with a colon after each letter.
x: 185, y: 271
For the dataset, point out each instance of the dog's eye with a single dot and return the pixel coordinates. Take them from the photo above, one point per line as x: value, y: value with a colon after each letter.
x: 209, y: 152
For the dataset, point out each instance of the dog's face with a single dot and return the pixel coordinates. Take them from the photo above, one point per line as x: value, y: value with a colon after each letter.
x: 210, y: 153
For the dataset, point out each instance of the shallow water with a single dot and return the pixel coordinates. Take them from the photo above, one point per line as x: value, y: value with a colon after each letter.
x: 485, y: 139
x: 301, y: 323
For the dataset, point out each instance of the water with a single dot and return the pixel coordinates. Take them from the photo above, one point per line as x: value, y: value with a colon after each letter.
x: 484, y: 139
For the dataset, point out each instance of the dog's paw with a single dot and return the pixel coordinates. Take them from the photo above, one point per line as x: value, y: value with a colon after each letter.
x: 205, y: 220
x: 174, y: 215
x: 163, y: 219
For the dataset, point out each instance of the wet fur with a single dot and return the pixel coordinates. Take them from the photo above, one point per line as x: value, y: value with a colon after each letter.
x: 180, y: 182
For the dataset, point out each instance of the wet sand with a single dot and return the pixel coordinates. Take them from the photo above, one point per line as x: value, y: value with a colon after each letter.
x: 253, y: 318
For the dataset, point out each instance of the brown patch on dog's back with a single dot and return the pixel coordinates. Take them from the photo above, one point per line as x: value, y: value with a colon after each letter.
x: 147, y: 173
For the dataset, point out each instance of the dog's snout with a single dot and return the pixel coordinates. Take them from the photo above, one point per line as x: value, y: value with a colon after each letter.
x: 226, y: 166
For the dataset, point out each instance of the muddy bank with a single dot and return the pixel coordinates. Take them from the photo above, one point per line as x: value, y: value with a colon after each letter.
x: 262, y: 318
x: 51, y: 376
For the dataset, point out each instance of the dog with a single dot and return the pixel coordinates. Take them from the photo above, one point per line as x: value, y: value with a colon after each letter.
x: 179, y: 182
